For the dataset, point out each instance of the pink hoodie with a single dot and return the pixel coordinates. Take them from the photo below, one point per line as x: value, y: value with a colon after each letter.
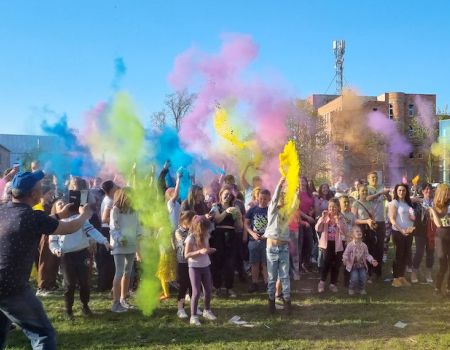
x: 322, y: 226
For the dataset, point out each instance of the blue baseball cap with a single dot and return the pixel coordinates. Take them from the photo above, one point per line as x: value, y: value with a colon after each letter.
x: 25, y: 181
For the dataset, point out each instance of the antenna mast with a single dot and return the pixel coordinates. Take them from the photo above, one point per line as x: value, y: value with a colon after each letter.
x: 339, y: 50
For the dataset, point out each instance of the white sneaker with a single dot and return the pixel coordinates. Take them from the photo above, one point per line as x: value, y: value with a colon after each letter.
x: 182, y: 314
x: 231, y: 293
x: 194, y: 321
x: 209, y: 315
x: 363, y: 292
x: 321, y: 287
x: 199, y: 312
x: 187, y: 297
x: 126, y: 304
x: 333, y: 288
x: 385, y: 258
x: 296, y: 276
x: 408, y: 269
x: 351, y: 292
x: 118, y: 308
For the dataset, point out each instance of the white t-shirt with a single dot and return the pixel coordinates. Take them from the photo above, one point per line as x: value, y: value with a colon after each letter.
x: 107, y: 203
x: 200, y: 260
x: 403, y: 211
x: 174, y: 213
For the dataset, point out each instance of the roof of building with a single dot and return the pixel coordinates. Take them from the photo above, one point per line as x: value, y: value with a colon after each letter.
x: 27, y: 143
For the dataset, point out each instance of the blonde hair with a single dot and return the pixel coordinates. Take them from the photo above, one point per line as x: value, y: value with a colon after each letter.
x: 200, y: 227
x: 122, y: 200
x: 440, y: 196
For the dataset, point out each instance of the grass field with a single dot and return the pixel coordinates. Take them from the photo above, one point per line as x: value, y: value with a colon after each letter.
x: 329, y: 321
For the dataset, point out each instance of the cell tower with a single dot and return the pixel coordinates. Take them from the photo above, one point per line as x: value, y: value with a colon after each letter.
x: 339, y: 50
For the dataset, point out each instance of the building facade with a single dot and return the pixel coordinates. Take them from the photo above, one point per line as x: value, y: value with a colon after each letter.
x: 357, y: 151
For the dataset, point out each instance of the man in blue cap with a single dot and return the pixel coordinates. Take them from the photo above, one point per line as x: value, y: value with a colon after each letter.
x: 20, y: 231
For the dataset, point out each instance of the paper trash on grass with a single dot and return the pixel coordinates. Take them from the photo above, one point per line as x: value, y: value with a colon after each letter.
x: 238, y: 322
x: 400, y: 324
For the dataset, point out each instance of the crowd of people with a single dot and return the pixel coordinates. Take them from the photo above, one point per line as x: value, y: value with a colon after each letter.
x: 231, y: 228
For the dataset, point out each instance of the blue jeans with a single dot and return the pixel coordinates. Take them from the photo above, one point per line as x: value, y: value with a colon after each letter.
x: 278, y: 268
x: 26, y: 310
x: 358, y: 277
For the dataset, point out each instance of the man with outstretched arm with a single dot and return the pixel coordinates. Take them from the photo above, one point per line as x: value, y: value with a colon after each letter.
x: 20, y: 231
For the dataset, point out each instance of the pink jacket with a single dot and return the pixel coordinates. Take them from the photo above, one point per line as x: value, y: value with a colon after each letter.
x: 322, y: 226
x: 349, y: 256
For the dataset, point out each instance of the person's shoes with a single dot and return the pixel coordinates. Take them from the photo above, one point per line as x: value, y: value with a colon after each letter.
x: 296, y: 276
x: 181, y: 313
x: 86, y: 311
x: 397, y: 283
x: 271, y: 306
x: 414, y: 278
x: 408, y: 269
x: 231, y: 293
x: 333, y: 288
x: 404, y: 282
x: 195, y: 321
x: 385, y: 258
x: 209, y: 315
x: 279, y: 303
x: 351, y: 292
x: 43, y: 293
x: 68, y: 315
x: 199, y: 312
x: 321, y: 287
x: 118, y: 308
x: 126, y: 304
x: 253, y: 288
x: 187, y: 297
x: 288, y: 307
x: 363, y: 292
x: 428, y: 276
x: 305, y: 269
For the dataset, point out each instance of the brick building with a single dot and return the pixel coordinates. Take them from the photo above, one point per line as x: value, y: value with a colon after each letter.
x: 356, y: 151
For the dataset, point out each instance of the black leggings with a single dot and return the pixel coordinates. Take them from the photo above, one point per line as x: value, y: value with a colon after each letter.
x: 222, y: 261
x: 183, y: 280
x: 75, y: 267
x: 443, y: 249
x: 331, y: 263
x: 402, y: 245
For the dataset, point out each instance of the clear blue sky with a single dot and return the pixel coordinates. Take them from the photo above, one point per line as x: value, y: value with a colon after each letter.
x: 59, y: 54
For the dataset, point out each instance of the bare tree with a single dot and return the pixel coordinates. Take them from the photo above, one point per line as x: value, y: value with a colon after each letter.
x: 178, y: 104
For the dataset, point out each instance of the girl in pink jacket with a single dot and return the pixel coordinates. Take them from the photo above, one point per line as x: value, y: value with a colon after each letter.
x: 355, y: 258
x: 332, y: 229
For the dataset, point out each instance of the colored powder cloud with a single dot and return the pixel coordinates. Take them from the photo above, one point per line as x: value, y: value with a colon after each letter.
x: 290, y: 168
x: 398, y: 146
x: 74, y: 158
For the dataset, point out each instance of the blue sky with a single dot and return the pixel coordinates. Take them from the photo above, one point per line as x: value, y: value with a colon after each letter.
x: 59, y: 55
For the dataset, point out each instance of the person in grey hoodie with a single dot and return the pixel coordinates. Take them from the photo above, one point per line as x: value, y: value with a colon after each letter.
x: 277, y: 250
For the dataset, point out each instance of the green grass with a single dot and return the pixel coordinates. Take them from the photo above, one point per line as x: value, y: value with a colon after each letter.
x: 318, y: 322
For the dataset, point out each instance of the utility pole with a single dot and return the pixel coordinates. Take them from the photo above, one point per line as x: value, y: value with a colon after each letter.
x: 339, y: 50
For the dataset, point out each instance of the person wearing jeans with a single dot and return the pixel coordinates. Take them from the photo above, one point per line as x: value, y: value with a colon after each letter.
x: 277, y: 251
x: 402, y: 219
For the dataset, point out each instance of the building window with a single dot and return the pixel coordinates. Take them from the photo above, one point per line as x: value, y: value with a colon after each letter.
x: 411, y: 155
x: 374, y: 109
x: 391, y: 111
x: 420, y: 155
x: 411, y: 110
x: 410, y: 131
x: 346, y: 148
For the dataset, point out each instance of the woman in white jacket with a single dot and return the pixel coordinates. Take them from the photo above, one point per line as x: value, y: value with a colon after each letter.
x: 125, y: 230
x: 74, y: 253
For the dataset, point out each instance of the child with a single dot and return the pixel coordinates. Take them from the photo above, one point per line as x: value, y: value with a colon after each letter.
x: 277, y: 235
x: 332, y: 229
x: 74, y: 253
x: 184, y: 284
x: 197, y: 252
x: 255, y: 226
x: 125, y: 232
x: 349, y: 219
x: 355, y: 259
